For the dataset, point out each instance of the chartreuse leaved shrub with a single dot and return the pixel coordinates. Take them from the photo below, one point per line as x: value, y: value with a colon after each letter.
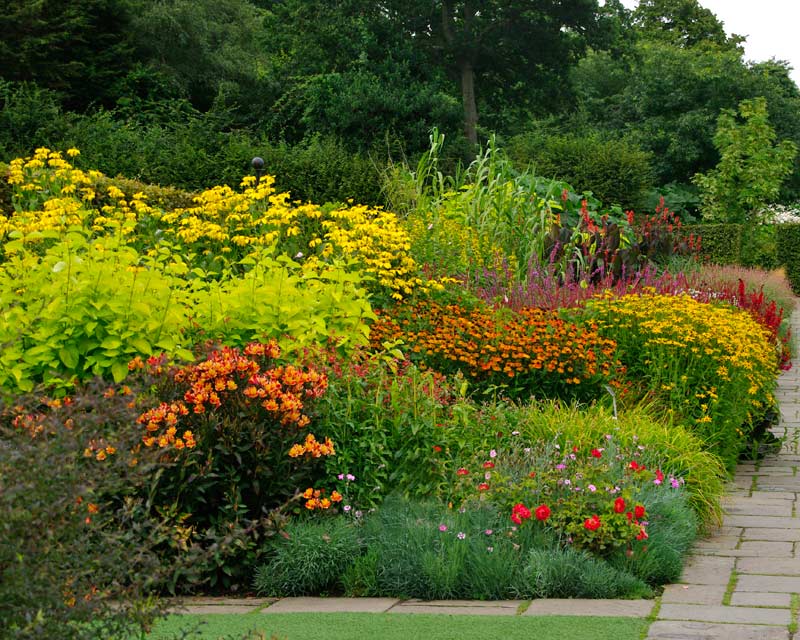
x: 712, y: 365
x: 86, y: 307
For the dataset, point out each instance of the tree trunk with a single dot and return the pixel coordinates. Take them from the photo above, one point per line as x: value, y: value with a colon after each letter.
x: 468, y: 98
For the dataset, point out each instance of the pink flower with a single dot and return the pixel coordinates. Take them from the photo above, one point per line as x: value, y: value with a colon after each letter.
x: 442, y: 527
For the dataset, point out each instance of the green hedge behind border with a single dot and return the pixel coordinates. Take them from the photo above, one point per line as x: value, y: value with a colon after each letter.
x: 788, y: 250
x: 720, y: 243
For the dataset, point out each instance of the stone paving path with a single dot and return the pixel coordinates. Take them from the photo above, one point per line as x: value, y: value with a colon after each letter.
x: 741, y: 583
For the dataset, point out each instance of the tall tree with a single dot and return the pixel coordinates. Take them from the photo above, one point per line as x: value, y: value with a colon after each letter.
x: 505, y: 46
x: 77, y: 48
x: 682, y: 22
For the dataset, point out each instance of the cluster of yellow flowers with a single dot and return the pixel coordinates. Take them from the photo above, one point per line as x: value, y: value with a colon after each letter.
x: 228, y: 220
x: 716, y: 345
x: 50, y: 194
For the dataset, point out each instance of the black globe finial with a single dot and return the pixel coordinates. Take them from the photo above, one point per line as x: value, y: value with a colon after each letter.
x: 258, y: 166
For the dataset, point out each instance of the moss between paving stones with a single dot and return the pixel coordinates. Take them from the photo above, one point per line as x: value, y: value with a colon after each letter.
x: 358, y: 626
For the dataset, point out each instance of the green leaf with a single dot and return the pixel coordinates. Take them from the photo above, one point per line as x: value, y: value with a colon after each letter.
x: 119, y: 370
x: 69, y: 356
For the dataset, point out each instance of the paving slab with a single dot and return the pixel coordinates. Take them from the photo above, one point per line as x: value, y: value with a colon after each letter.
x: 693, y: 594
x: 331, y: 605
x: 459, y: 607
x: 707, y: 570
x: 768, y: 584
x: 578, y: 607
x: 773, y: 549
x: 763, y: 522
x: 774, y: 495
x: 759, y: 509
x: 680, y: 630
x: 719, y: 613
x: 748, y: 599
x: 210, y: 605
x: 778, y: 535
x: 769, y: 566
x: 718, y: 542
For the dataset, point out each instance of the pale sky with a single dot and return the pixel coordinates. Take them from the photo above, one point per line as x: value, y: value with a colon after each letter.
x: 772, y: 27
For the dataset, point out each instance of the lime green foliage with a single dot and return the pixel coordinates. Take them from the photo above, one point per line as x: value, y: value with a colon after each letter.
x: 788, y: 248
x: 751, y: 167
x: 365, y: 626
x: 86, y: 308
x: 280, y: 299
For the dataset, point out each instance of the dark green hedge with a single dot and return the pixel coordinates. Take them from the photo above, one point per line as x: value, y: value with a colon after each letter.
x: 788, y: 250
x: 720, y: 243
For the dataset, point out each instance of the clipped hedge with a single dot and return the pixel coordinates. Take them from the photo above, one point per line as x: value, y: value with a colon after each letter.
x: 788, y: 250
x: 616, y: 171
x: 720, y: 243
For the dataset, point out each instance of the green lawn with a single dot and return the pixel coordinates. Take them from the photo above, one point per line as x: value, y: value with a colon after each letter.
x: 373, y: 626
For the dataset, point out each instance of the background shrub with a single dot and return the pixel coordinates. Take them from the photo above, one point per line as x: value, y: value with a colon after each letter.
x: 616, y: 171
x: 788, y: 247
x: 720, y: 243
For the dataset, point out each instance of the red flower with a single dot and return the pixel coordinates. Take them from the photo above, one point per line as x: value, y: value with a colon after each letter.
x: 659, y: 477
x: 542, y: 512
x: 619, y: 505
x: 639, y: 511
x: 593, y: 523
x: 488, y: 464
x: 629, y: 515
x: 515, y: 518
x: 521, y: 511
x: 532, y: 474
x: 437, y: 448
x: 462, y: 472
x: 636, y: 466
x: 575, y: 449
x: 596, y: 453
x: 483, y: 487
x: 642, y: 535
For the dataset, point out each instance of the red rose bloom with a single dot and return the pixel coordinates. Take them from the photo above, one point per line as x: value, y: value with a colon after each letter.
x: 593, y: 523
x: 521, y: 512
x: 542, y: 512
x: 639, y: 511
x: 515, y: 518
x: 619, y: 505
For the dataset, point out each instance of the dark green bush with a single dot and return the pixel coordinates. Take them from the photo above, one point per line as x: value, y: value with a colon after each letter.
x: 788, y: 250
x: 759, y: 247
x: 615, y: 170
x: 720, y: 243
